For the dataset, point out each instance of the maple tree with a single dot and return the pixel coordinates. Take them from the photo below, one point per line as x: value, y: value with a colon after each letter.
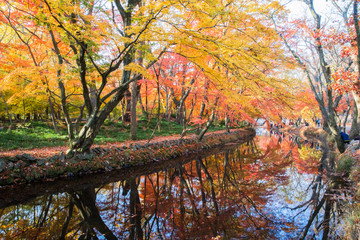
x: 347, y: 78
x: 320, y: 61
x: 213, y: 62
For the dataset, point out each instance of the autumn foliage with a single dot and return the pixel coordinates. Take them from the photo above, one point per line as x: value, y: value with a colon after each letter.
x: 195, y: 62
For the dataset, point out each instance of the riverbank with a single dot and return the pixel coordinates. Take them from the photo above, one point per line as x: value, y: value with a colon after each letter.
x: 22, y: 193
x: 26, y: 168
x: 345, y: 171
x: 37, y: 135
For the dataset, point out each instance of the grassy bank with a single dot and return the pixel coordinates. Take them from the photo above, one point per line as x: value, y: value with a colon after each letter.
x: 27, y: 169
x: 348, y: 166
x: 41, y: 134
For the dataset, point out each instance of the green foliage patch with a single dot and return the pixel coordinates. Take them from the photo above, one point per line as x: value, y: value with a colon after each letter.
x: 345, y: 164
x: 31, y: 135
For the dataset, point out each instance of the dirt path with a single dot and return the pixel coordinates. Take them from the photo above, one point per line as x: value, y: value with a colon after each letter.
x: 319, y: 135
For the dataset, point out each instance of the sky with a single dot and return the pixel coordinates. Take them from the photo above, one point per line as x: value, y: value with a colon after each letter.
x: 325, y: 8
x: 299, y: 8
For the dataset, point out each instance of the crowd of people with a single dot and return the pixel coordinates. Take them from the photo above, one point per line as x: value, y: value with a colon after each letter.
x: 301, y: 122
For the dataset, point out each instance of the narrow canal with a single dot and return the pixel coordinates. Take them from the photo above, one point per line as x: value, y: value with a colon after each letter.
x: 265, y: 188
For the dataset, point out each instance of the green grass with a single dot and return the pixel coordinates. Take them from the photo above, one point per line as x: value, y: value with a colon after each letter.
x: 41, y: 134
x: 31, y: 135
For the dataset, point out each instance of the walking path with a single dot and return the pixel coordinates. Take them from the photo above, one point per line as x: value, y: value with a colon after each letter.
x: 313, y: 133
x: 51, y: 151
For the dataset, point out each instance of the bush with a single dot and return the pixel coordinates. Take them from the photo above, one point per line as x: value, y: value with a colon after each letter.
x: 345, y: 164
x: 352, y: 223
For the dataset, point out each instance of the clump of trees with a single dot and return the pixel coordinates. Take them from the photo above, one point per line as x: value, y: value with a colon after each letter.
x: 325, y: 45
x: 194, y: 62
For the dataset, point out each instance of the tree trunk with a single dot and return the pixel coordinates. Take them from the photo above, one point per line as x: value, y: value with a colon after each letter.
x: 133, y: 126
x: 52, y: 113
x: 356, y: 120
x: 181, y: 103
x: 201, y: 114
x: 331, y: 128
x: 355, y: 128
x: 209, y: 122
x: 159, y: 104
x: 187, y: 119
x: 78, y: 120
x: 7, y: 111
x: 145, y: 113
x: 62, y: 90
x: 127, y: 114
x: 227, y: 123
x: 89, y: 131
x: 167, y: 104
x: 356, y: 92
x: 65, y: 111
x: 347, y: 112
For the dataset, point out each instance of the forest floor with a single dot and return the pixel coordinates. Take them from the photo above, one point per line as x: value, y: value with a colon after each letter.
x: 45, y: 152
x: 38, y: 138
x: 25, y: 166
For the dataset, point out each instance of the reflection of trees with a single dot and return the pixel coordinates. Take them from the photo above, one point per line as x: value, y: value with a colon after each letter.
x: 134, y: 209
x: 329, y: 189
x: 85, y: 201
x: 329, y: 192
x: 326, y: 203
x: 54, y: 217
x: 67, y: 219
x: 220, y: 195
x: 41, y: 219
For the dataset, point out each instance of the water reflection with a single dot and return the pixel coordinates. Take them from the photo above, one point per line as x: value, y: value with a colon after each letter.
x: 243, y: 192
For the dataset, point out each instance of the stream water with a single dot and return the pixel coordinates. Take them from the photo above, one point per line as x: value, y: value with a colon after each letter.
x: 265, y: 188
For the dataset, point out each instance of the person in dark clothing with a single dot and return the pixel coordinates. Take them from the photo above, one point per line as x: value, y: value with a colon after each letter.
x: 345, y: 137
